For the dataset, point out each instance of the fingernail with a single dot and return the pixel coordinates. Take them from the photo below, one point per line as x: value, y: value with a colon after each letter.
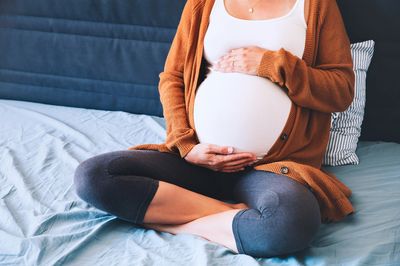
x: 230, y: 150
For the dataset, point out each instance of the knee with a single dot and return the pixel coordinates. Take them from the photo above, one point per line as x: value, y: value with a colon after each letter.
x: 288, y: 226
x: 298, y: 231
x: 274, y: 236
x: 87, y: 178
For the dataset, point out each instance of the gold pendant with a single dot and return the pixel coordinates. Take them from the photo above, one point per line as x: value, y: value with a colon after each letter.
x: 251, y: 10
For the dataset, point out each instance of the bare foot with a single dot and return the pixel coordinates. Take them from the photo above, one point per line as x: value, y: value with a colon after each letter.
x: 216, y: 228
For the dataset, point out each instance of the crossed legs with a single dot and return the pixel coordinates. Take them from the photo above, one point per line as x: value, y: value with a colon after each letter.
x: 275, y: 214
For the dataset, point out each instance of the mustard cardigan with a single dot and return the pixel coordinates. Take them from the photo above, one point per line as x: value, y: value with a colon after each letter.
x: 319, y: 83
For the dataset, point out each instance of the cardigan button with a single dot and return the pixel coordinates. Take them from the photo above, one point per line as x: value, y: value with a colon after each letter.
x: 284, y: 136
x: 284, y: 170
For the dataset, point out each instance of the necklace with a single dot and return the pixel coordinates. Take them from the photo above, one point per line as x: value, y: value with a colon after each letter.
x: 251, y: 9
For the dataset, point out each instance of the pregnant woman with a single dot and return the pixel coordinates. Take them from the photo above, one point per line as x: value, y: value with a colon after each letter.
x: 247, y: 92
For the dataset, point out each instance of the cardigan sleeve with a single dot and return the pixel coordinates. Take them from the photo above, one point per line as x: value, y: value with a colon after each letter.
x: 180, y: 136
x: 329, y: 85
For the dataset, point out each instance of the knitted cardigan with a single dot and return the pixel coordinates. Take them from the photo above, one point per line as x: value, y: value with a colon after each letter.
x: 319, y: 83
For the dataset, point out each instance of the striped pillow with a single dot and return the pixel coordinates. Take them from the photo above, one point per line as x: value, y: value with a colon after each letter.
x: 346, y: 126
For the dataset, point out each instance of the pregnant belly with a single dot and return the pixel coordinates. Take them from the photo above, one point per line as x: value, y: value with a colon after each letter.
x: 244, y: 111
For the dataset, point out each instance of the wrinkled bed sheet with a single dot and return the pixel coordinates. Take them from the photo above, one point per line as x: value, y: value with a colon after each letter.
x: 43, y: 222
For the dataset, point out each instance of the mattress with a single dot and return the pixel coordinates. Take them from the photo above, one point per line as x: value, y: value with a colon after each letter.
x: 43, y: 222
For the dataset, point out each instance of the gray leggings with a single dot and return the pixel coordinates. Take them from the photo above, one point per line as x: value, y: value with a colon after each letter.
x: 283, y: 218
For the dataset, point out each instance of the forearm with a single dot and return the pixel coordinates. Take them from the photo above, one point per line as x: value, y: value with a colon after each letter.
x: 326, y: 88
x: 180, y: 136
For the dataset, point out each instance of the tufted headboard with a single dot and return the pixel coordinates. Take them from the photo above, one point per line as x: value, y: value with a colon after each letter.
x: 102, y: 54
x: 107, y: 54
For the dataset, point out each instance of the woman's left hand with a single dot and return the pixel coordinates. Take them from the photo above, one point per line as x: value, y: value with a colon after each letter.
x: 245, y: 60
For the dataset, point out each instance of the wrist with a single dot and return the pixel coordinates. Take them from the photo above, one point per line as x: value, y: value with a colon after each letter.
x: 186, y: 146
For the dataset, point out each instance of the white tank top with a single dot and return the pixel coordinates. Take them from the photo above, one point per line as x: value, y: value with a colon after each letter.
x: 247, y: 112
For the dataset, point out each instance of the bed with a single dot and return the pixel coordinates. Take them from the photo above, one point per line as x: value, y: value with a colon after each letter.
x: 62, y: 101
x: 43, y: 222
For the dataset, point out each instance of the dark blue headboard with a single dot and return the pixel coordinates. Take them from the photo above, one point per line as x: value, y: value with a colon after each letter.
x: 107, y: 54
x: 101, y: 54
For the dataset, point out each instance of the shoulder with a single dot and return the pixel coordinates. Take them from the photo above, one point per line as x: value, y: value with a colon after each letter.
x: 193, y: 9
x: 195, y: 3
x: 323, y: 9
x: 200, y: 5
x: 321, y: 6
x: 326, y: 6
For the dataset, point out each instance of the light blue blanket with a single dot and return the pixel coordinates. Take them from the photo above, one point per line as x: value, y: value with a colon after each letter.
x: 43, y: 222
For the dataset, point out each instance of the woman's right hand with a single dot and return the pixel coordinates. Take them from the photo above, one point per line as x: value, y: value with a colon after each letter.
x: 219, y: 158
